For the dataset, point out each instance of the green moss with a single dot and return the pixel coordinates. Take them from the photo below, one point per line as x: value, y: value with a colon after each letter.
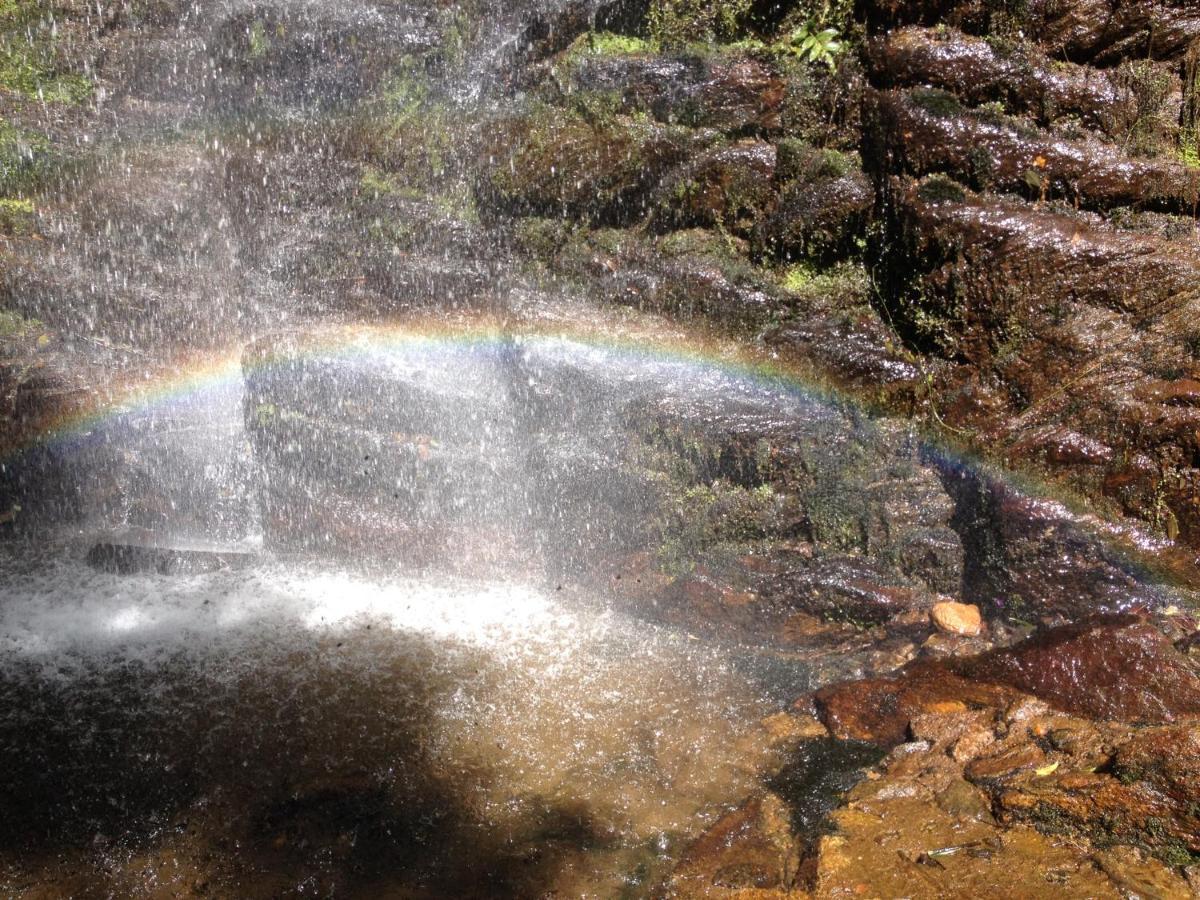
x: 940, y: 189
x: 14, y: 325
x: 694, y: 241
x: 25, y: 158
x: 30, y: 60
x: 16, y: 216
x: 265, y: 414
x: 605, y: 43
x: 676, y: 23
x: 797, y: 160
x: 541, y: 238
x: 260, y: 44
x: 411, y: 138
x: 1189, y: 130
x: 1147, y: 127
x: 843, y: 282
x: 937, y: 102
x: 375, y: 183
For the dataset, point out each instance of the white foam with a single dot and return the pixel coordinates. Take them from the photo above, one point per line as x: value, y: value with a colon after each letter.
x: 69, y: 607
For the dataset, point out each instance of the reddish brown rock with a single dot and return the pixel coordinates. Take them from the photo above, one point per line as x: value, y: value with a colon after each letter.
x: 1119, y: 668
x: 957, y: 618
x: 1142, y: 789
x: 751, y: 848
x: 1098, y: 31
x: 927, y: 131
x: 732, y: 93
x: 978, y: 71
x: 880, y: 710
x: 551, y: 163
x: 823, y: 208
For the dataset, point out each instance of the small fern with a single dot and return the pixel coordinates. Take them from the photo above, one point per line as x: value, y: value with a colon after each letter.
x: 816, y: 46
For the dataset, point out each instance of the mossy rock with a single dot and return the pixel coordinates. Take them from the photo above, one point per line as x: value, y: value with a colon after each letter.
x: 32, y: 63
x: 553, y: 162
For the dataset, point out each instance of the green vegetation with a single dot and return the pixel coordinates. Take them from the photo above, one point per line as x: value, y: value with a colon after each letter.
x: 936, y: 102
x: 676, y: 23
x: 260, y: 44
x: 14, y: 325
x: 798, y: 160
x: 941, y: 189
x: 30, y: 60
x: 16, y: 216
x: 841, y: 282
x: 408, y: 137
x: 1189, y: 131
x: 605, y: 43
x: 25, y: 158
x: 1142, y: 123
x: 815, y: 46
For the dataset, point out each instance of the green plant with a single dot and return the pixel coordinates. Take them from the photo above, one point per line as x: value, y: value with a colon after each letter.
x: 25, y: 159
x: 1189, y: 131
x: 815, y: 46
x: 1144, y: 89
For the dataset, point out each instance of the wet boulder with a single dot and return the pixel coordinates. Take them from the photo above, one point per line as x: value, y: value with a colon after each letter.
x: 1108, y: 783
x: 729, y: 187
x: 554, y: 163
x: 926, y: 131
x: 852, y: 344
x: 824, y: 205
x: 997, y: 802
x: 1094, y: 31
x: 1121, y: 669
x: 1017, y: 75
x: 880, y: 710
x: 367, y: 446
x: 1025, y: 299
x: 779, y: 523
x: 551, y: 30
x: 1029, y: 558
x: 751, y: 847
x: 1118, y: 669
x: 688, y: 273
x: 1104, y: 33
x: 734, y: 93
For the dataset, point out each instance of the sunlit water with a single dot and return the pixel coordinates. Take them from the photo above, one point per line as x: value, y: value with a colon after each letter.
x: 282, y: 730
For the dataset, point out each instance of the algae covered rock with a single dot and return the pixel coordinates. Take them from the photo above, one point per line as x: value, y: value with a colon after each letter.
x: 549, y: 162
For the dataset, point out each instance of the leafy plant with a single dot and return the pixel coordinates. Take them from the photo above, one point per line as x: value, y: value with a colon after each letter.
x: 815, y: 46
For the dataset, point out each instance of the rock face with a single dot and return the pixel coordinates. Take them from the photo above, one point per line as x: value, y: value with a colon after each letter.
x: 1015, y: 192
x: 734, y: 94
x: 554, y: 164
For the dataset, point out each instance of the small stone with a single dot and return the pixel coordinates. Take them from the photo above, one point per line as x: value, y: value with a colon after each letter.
x: 972, y: 744
x: 957, y: 618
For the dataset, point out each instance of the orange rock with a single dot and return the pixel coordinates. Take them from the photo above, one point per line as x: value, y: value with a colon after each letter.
x: 957, y: 618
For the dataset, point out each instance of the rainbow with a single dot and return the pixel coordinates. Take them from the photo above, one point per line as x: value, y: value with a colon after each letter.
x: 190, y: 378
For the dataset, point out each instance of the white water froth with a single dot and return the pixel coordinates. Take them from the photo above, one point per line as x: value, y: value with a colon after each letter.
x: 67, y: 608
